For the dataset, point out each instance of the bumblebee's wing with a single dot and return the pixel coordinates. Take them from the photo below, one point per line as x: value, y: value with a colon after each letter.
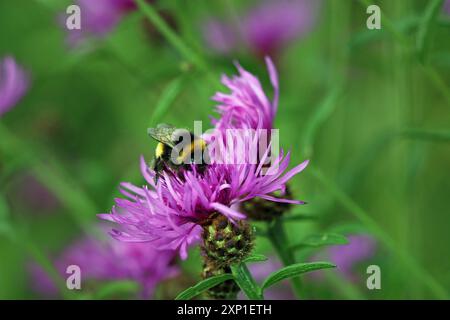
x: 163, y: 133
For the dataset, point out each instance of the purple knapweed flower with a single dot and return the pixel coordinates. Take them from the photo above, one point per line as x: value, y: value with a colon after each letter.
x: 247, y: 106
x: 266, y: 28
x: 99, y: 18
x: 13, y: 84
x: 170, y: 214
x: 346, y: 257
x: 112, y: 260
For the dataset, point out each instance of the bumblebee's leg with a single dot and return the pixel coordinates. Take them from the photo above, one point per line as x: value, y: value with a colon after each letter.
x: 158, y: 166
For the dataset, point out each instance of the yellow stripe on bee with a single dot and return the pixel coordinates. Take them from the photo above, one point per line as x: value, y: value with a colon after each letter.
x: 159, y: 150
x: 197, y: 144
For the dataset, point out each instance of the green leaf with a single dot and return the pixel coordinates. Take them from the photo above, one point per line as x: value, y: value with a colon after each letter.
x: 246, y: 282
x: 167, y: 98
x: 255, y: 258
x: 203, y: 285
x: 319, y: 240
x: 431, y: 135
x: 426, y: 28
x: 294, y: 270
x: 117, y: 288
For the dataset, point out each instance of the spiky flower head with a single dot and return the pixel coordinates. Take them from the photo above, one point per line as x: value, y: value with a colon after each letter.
x: 247, y: 106
x: 225, y: 242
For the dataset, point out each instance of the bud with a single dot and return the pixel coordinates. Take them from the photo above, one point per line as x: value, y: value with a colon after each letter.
x: 225, y: 242
x: 263, y: 210
x: 227, y: 290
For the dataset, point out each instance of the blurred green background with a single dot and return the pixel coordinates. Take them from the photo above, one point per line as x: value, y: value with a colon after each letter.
x: 367, y: 107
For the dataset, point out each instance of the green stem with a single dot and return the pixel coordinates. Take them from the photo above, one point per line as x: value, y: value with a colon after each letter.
x: 245, y: 281
x: 408, y: 262
x: 173, y: 38
x: 277, y: 236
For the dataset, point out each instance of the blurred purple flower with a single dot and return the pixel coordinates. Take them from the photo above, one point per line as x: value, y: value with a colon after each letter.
x: 260, y: 271
x: 99, y: 18
x: 360, y: 248
x: 346, y: 257
x: 447, y: 6
x: 274, y: 24
x: 109, y: 261
x: 170, y: 214
x: 37, y: 197
x: 13, y: 84
x: 219, y: 36
x: 266, y: 28
x: 247, y: 106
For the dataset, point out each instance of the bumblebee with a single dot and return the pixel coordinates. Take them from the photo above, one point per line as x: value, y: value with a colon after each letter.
x: 176, y: 149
